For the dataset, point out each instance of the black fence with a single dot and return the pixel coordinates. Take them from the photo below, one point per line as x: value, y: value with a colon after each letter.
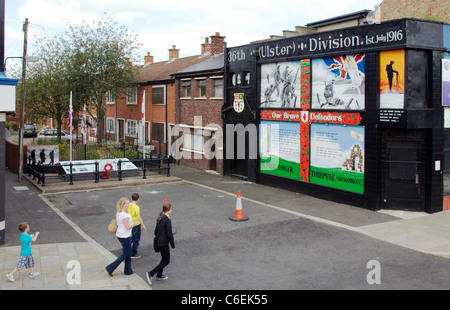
x: 68, y: 172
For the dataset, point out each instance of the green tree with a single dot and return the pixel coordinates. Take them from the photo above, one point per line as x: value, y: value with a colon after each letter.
x: 89, y: 60
x: 48, y: 87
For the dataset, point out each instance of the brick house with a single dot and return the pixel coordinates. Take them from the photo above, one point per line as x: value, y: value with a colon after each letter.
x: 199, y: 110
x: 422, y: 9
x: 123, y: 115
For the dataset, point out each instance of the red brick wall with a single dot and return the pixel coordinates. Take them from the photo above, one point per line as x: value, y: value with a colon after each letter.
x: 153, y: 113
x: 12, y: 155
x: 446, y: 203
x: 210, y: 111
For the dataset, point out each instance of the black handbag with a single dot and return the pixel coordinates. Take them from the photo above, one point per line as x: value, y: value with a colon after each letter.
x: 155, y: 245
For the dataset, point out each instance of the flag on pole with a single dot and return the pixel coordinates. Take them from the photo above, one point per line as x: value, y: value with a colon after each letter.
x: 143, y: 109
x: 70, y: 124
x: 143, y: 118
x: 83, y: 124
x: 83, y: 121
x: 70, y: 115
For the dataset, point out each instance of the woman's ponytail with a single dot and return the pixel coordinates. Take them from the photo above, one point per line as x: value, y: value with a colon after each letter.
x: 165, y: 208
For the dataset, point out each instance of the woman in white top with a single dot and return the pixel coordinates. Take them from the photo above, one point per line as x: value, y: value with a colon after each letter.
x: 124, y: 226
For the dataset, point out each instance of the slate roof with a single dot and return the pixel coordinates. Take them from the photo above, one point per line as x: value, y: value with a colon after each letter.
x: 162, y: 71
x: 213, y: 63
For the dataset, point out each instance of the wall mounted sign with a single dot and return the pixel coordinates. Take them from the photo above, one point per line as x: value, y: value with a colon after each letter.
x: 44, y: 155
x: 337, y: 157
x: 351, y: 40
x: 280, y: 148
x: 392, y: 79
x: 446, y: 82
x: 238, y: 103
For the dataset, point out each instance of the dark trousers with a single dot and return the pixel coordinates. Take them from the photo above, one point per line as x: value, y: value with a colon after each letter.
x: 165, y: 260
x: 135, y: 239
x: 125, y: 257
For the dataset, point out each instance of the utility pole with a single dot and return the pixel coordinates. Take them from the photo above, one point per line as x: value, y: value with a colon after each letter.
x: 22, y: 111
x: 2, y: 132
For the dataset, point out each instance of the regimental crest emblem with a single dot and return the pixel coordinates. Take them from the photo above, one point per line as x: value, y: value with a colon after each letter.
x: 238, y: 103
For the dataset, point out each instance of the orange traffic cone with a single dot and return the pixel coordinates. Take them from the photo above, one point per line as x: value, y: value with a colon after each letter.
x: 239, y: 213
x: 165, y: 201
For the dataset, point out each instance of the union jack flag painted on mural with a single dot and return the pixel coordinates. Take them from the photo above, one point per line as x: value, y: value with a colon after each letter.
x: 342, y: 66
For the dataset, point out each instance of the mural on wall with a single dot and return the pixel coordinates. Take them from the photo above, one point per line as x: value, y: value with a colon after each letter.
x: 392, y: 79
x: 280, y: 148
x: 446, y: 82
x: 44, y: 155
x: 280, y: 85
x: 337, y: 157
x: 338, y: 82
x: 299, y: 144
x: 84, y: 166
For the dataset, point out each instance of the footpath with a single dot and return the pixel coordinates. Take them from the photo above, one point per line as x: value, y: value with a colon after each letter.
x: 62, y: 244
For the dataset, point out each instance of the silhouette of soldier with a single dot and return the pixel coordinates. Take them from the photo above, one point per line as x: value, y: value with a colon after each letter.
x: 390, y: 74
x: 42, y: 155
x: 33, y: 156
x: 52, y: 157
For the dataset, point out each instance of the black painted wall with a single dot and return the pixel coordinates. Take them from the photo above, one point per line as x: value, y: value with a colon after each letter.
x: 423, y: 45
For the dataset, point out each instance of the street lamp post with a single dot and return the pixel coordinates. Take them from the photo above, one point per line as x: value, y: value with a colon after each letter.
x: 25, y: 59
x: 22, y: 112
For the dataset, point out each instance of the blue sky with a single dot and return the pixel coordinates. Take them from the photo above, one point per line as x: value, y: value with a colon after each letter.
x: 161, y: 24
x: 334, y: 138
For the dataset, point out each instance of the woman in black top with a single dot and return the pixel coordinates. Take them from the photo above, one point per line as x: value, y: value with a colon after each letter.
x: 164, y: 237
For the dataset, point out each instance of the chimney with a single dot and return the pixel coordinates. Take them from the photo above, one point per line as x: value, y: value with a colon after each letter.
x: 148, y: 58
x: 174, y: 53
x: 217, y: 44
x: 206, y: 47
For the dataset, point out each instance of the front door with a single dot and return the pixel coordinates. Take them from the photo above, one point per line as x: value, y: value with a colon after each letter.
x: 121, y: 130
x: 239, y: 166
x: 404, y: 174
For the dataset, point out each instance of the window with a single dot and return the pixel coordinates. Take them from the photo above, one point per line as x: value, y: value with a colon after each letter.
x: 93, y: 123
x: 186, y: 88
x: 218, y: 88
x: 246, y: 78
x: 202, y: 88
x: 193, y: 139
x: 110, y: 98
x: 158, y: 132
x: 131, y: 95
x: 131, y: 127
x: 158, y: 95
x: 110, y: 125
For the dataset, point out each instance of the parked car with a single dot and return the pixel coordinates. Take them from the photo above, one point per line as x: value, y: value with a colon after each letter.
x: 29, y: 131
x: 52, y: 133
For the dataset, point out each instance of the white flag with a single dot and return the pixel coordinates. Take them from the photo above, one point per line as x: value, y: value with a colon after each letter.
x: 143, y: 118
x: 83, y: 121
x: 143, y: 109
x: 70, y: 114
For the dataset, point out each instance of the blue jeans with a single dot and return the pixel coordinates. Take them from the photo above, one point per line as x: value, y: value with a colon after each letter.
x: 126, y: 257
x: 135, y: 239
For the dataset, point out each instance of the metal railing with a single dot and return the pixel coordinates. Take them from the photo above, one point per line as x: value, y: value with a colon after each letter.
x: 65, y: 172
